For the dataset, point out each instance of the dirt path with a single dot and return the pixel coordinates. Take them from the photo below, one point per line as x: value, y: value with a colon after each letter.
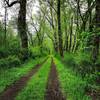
x: 12, y: 91
x: 53, y: 91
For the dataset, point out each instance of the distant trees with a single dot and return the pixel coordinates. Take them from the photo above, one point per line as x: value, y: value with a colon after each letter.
x: 72, y: 25
x: 73, y: 20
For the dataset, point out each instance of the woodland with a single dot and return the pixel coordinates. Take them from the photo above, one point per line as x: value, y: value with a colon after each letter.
x: 49, y: 49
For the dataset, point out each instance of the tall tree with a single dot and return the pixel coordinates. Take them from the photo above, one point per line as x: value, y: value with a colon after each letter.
x: 59, y: 27
x: 21, y: 25
x: 97, y: 30
x: 22, y: 28
x: 5, y: 19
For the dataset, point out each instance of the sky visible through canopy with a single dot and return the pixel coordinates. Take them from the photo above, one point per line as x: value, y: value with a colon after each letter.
x: 34, y: 6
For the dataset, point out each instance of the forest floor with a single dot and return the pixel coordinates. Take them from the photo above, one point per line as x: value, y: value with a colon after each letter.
x: 48, y: 80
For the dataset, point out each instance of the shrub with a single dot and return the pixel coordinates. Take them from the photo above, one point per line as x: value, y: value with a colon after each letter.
x: 24, y: 54
x: 93, y: 87
x: 84, y: 67
x: 84, y: 64
x: 57, y: 56
x: 4, y: 53
x: 69, y: 60
x: 98, y: 63
x: 80, y: 62
x: 10, y: 61
x: 14, y: 47
x: 13, y: 61
x: 34, y: 52
x: 11, y: 49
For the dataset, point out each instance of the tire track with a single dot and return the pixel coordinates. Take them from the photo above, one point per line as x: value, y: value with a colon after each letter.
x: 53, y: 91
x: 11, y: 92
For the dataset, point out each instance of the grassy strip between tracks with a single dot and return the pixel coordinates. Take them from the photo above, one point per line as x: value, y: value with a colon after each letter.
x: 36, y: 87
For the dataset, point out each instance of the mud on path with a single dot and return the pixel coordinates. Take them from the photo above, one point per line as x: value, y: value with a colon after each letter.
x: 11, y: 92
x: 53, y: 91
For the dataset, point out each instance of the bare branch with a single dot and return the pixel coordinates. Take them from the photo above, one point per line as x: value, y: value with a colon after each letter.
x: 12, y: 3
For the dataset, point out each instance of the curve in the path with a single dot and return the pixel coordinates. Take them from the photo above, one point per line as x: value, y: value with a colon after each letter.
x: 53, y: 91
x: 12, y: 91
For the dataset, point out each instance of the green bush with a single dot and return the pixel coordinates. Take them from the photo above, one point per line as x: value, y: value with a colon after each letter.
x: 84, y: 64
x: 80, y: 62
x: 98, y: 63
x: 93, y: 84
x: 13, y: 61
x: 12, y: 48
x: 10, y: 61
x: 34, y: 52
x: 4, y: 53
x: 24, y: 54
x: 69, y: 60
x: 84, y: 67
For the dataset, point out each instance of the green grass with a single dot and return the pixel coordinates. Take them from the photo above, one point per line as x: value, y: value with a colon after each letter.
x: 9, y: 75
x: 36, y: 87
x: 72, y: 85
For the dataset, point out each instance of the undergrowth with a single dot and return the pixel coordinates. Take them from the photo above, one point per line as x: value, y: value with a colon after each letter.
x: 72, y: 85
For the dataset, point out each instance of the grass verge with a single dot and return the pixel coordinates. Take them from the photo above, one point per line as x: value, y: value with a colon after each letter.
x: 72, y: 85
x: 36, y: 87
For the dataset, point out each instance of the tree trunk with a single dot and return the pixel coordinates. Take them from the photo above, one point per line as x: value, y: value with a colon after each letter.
x: 83, y: 27
x: 71, y: 32
x: 97, y: 30
x: 59, y: 28
x: 90, y: 16
x: 55, y: 42
x: 5, y: 19
x: 66, y: 41
x: 74, y: 44
x: 22, y: 29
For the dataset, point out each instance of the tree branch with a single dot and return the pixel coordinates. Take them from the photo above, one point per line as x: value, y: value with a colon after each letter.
x: 90, y: 9
x: 12, y: 3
